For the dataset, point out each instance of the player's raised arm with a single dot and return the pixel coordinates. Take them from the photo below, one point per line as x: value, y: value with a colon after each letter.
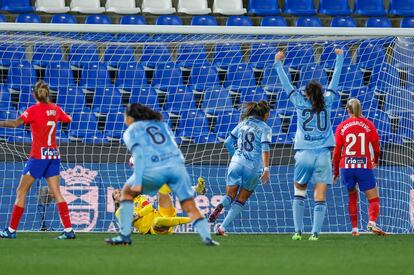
x: 338, y: 69
x: 287, y: 86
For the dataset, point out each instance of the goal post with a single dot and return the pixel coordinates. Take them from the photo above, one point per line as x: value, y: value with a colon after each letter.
x: 198, y: 77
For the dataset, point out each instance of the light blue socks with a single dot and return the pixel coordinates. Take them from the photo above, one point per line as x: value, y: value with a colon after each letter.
x: 318, y: 216
x: 298, y: 208
x: 126, y: 212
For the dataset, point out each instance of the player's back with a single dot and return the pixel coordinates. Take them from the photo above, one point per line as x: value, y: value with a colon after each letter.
x: 358, y: 135
x: 157, y: 142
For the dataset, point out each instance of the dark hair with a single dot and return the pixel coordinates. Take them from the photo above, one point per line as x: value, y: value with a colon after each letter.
x: 41, y: 91
x: 141, y: 112
x: 256, y: 109
x: 314, y: 91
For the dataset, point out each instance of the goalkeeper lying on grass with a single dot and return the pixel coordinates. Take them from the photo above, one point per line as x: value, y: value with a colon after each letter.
x: 148, y: 220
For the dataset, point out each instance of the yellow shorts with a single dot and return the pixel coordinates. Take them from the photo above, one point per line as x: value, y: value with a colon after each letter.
x: 163, y: 212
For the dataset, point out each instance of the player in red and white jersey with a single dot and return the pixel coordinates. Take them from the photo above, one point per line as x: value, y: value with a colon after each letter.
x: 356, y: 153
x: 44, y: 161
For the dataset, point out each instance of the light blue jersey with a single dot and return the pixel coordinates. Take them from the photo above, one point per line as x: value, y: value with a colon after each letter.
x: 314, y: 129
x: 253, y: 137
x: 157, y: 159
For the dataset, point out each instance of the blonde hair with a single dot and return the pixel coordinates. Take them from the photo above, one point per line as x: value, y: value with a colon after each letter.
x: 41, y: 91
x: 354, y: 107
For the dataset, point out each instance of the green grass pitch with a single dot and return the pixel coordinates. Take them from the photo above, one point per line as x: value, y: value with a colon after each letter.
x: 40, y: 253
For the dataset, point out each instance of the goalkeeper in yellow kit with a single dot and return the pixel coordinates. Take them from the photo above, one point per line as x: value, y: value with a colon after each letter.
x: 148, y: 220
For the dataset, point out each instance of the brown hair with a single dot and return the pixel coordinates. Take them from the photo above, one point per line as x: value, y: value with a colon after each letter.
x: 256, y: 109
x: 41, y: 92
x: 314, y: 91
x: 141, y: 112
x: 354, y: 108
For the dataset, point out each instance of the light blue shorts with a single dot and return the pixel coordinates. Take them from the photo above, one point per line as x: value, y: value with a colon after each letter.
x: 176, y: 178
x: 243, y: 176
x: 313, y: 166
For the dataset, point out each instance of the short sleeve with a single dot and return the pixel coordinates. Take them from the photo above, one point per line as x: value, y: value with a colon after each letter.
x: 235, y: 132
x: 267, y: 135
x: 63, y: 116
x: 130, y: 139
x: 27, y: 116
x: 339, y: 139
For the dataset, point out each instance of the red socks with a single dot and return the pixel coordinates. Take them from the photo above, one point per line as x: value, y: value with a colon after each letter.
x: 353, y: 208
x: 64, y: 214
x: 374, y: 209
x: 16, y: 216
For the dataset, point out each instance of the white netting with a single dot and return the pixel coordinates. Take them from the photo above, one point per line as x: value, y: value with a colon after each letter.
x: 198, y: 83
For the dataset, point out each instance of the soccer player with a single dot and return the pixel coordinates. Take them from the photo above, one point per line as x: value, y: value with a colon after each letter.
x: 152, y: 143
x: 313, y: 139
x: 44, y: 161
x: 354, y: 161
x: 148, y: 220
x: 249, y: 163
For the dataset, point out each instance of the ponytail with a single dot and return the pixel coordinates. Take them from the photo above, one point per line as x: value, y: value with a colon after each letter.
x: 256, y: 109
x: 314, y: 92
x: 41, y: 92
x: 354, y: 108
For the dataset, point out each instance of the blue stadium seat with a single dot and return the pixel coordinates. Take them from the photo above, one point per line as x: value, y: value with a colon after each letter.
x: 181, y: 99
x: 403, y: 53
x: 26, y: 98
x: 398, y: 101
x: 81, y: 54
x: 169, y: 20
x: 9, y: 132
x: 45, y: 53
x: 401, y: 7
x: 166, y: 76
x: 312, y: 72
x: 5, y: 99
x: 334, y: 8
x: 71, y: 100
x: 240, y: 76
x: 227, y: 120
x: 370, y: 7
x: 328, y: 55
x: 344, y: 22
x: 283, y: 105
x: 262, y: 55
x: 351, y: 78
x: 59, y: 75
x: 64, y: 18
x: 114, y: 126
x: 97, y: 19
x: 204, y: 139
x: 11, y: 52
x: 299, y: 7
x: 131, y: 75
x: 299, y: 55
x: 227, y: 54
x: 337, y: 117
x: 252, y: 95
x: 217, y: 100
x: 384, y: 76
x: 84, y: 127
x: 264, y: 7
x: 276, y: 124
x: 271, y: 82
x: 21, y: 75
x: 146, y: 96
x: 273, y: 21
x: 2, y: 18
x: 204, y: 20
x: 308, y: 21
x: 370, y: 54
x: 106, y: 99
x: 190, y: 55
x: 28, y: 18
x: 378, y: 22
x: 133, y: 20
x: 16, y: 6
x: 118, y: 55
x: 239, y: 20
x: 368, y: 101
x: 193, y: 123
x: 94, y: 75
x: 407, y: 22
x: 383, y: 124
x: 204, y: 77
x: 406, y: 127
x: 153, y: 55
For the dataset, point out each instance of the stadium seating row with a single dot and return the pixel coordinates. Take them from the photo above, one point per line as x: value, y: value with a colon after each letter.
x: 226, y: 7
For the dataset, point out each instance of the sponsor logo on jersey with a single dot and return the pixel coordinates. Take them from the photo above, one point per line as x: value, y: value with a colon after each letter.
x: 356, y: 162
x: 50, y: 153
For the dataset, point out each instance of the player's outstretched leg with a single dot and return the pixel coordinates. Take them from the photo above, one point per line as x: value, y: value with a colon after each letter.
x: 234, y: 212
x: 224, y: 203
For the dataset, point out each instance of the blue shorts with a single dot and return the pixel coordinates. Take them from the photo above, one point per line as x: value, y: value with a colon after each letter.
x: 176, y: 178
x: 313, y: 166
x: 243, y: 176
x: 364, y: 177
x: 42, y: 168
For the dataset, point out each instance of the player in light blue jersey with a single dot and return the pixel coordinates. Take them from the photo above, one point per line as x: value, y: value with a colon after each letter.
x: 152, y: 145
x: 249, y: 163
x: 314, y: 137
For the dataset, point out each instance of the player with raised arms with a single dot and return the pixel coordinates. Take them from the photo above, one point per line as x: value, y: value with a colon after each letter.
x: 152, y: 144
x: 314, y: 137
x: 249, y: 163
x: 44, y: 161
x: 354, y: 161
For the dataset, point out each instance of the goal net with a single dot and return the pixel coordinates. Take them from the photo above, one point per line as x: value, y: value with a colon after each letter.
x: 198, y: 79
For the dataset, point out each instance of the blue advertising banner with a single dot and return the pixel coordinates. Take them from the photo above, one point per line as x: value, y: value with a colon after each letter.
x: 88, y: 190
